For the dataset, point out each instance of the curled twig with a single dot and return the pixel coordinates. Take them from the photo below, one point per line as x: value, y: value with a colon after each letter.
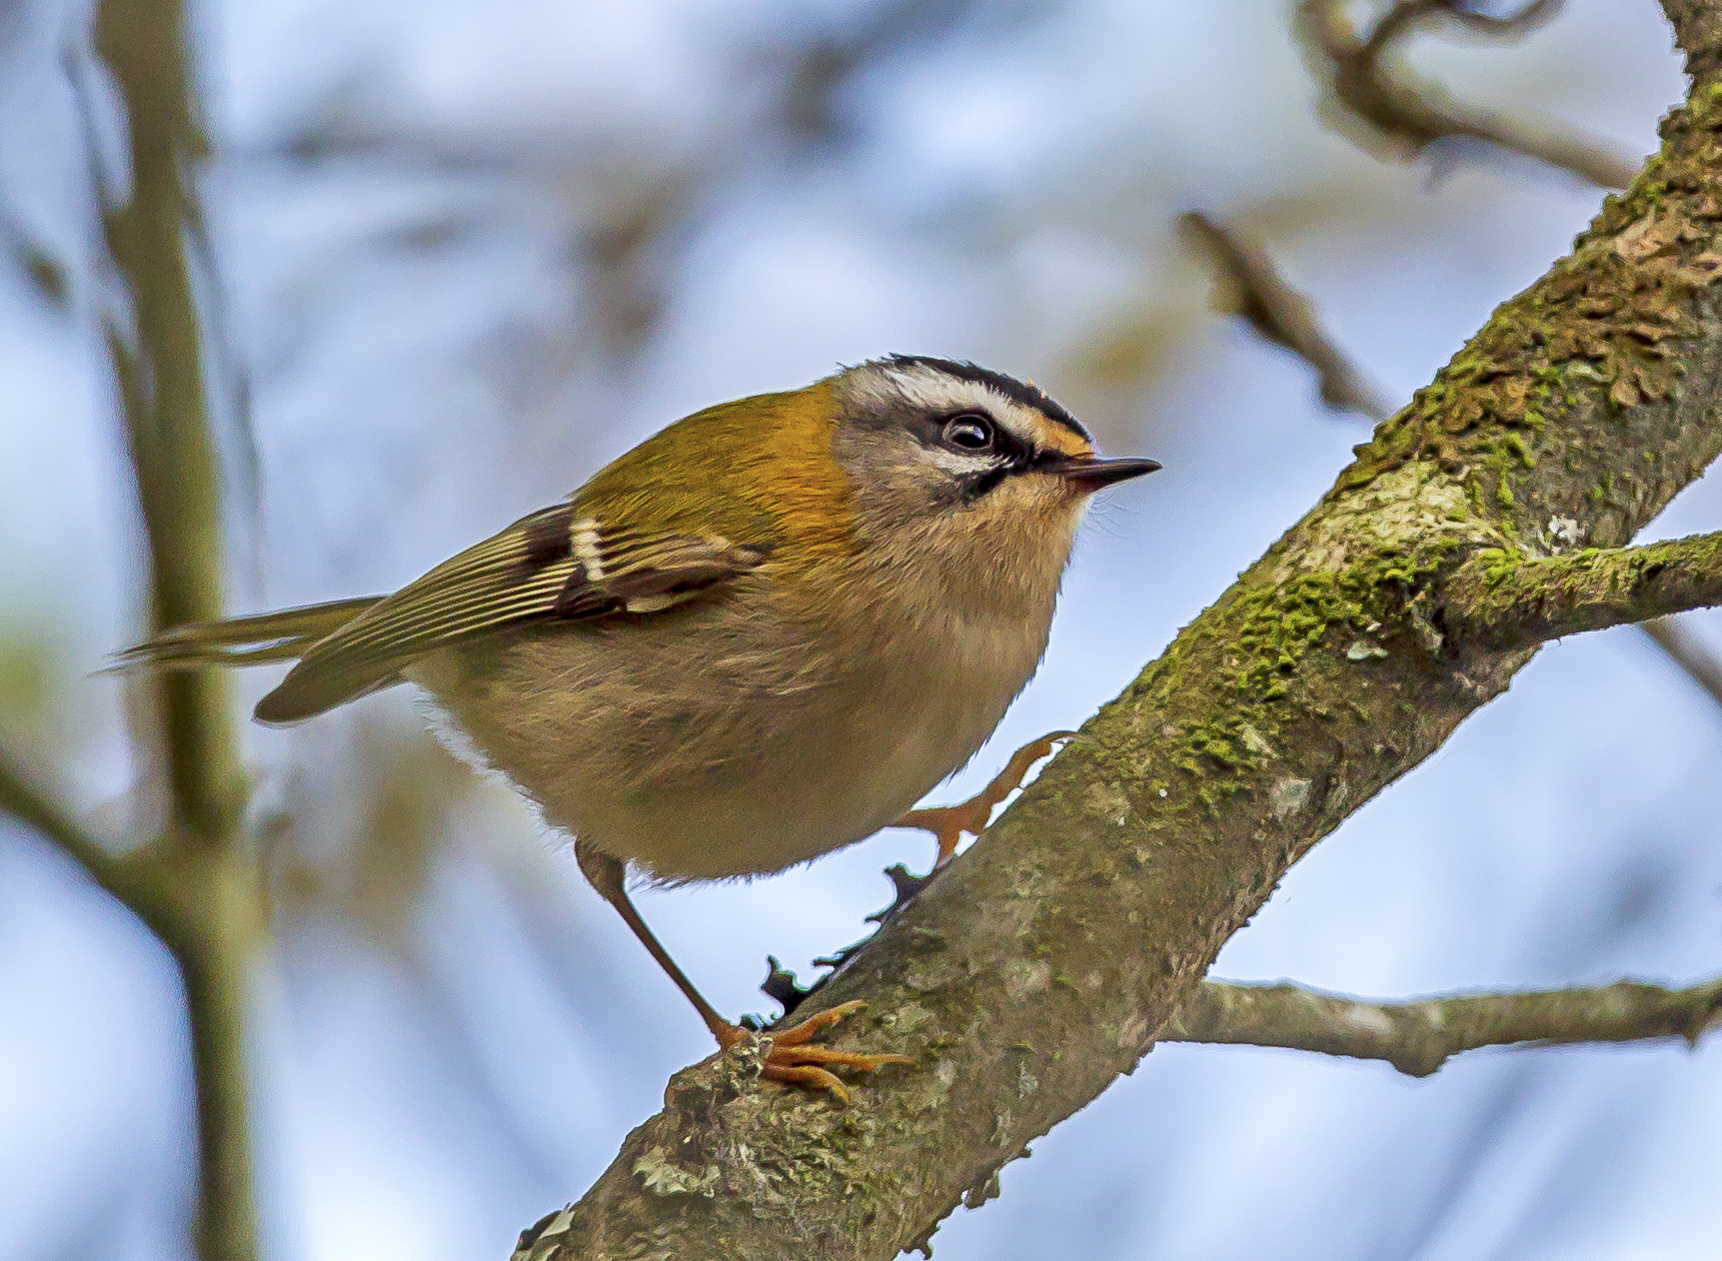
x: 1403, y: 115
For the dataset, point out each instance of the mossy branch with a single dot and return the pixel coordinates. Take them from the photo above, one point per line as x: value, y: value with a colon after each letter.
x: 1507, y: 600
x: 1418, y: 1037
x: 1046, y: 959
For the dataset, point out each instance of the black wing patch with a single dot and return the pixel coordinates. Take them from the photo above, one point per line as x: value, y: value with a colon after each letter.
x: 552, y: 564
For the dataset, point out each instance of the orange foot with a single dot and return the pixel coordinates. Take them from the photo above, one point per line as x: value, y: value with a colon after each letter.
x: 792, y: 1060
x: 948, y: 823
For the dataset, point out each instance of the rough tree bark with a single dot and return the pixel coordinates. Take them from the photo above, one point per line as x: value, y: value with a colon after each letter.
x: 1044, y: 962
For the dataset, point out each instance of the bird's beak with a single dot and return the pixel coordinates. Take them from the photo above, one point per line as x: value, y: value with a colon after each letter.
x: 1089, y: 474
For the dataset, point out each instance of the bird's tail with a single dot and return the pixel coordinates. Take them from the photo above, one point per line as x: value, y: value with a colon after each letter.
x: 242, y: 641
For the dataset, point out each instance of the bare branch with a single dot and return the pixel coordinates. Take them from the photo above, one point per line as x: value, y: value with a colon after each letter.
x: 1249, y: 286
x: 1688, y: 652
x: 1418, y: 1037
x: 1508, y: 600
x: 1390, y: 110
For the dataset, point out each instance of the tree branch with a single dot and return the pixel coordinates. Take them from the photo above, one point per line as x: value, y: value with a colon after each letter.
x: 1391, y: 109
x: 198, y: 910
x: 1044, y: 961
x: 1249, y: 286
x: 1418, y: 1037
x: 1508, y: 600
x: 195, y: 885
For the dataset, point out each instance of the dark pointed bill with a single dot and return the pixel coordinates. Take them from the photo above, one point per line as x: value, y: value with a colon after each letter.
x: 1091, y: 473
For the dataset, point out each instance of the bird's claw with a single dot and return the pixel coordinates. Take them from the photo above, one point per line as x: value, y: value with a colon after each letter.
x: 792, y: 1060
x: 948, y: 823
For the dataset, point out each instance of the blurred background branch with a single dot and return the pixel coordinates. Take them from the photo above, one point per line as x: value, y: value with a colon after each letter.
x: 193, y: 881
x: 629, y: 215
x: 36, y: 809
x: 1249, y: 286
x: 47, y: 275
x: 1373, y: 96
x: 156, y: 341
x: 1418, y: 1037
x: 1688, y: 651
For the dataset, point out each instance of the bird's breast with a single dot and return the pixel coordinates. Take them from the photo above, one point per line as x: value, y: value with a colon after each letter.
x: 727, y: 743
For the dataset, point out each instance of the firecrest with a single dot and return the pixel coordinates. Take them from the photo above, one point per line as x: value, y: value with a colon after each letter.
x: 761, y: 635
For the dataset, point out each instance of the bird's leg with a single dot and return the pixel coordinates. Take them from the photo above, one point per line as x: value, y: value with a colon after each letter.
x: 790, y: 1058
x: 608, y: 876
x: 948, y: 823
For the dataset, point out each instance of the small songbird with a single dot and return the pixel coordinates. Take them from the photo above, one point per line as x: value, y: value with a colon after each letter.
x: 762, y: 634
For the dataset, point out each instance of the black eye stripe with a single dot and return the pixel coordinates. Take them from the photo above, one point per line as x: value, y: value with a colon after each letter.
x: 1008, y: 453
x: 977, y: 484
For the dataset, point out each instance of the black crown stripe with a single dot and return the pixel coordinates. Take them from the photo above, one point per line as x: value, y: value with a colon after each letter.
x: 1017, y: 391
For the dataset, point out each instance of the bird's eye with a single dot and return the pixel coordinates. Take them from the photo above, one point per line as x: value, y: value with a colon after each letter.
x: 969, y: 432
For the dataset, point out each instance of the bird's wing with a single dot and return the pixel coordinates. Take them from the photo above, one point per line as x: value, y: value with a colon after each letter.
x: 554, y: 564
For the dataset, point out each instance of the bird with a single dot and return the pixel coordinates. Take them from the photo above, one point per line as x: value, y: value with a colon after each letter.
x: 759, y: 636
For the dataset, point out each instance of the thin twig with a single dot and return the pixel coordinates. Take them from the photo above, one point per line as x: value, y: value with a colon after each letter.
x: 1249, y: 286
x: 1418, y: 1037
x: 1401, y: 114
